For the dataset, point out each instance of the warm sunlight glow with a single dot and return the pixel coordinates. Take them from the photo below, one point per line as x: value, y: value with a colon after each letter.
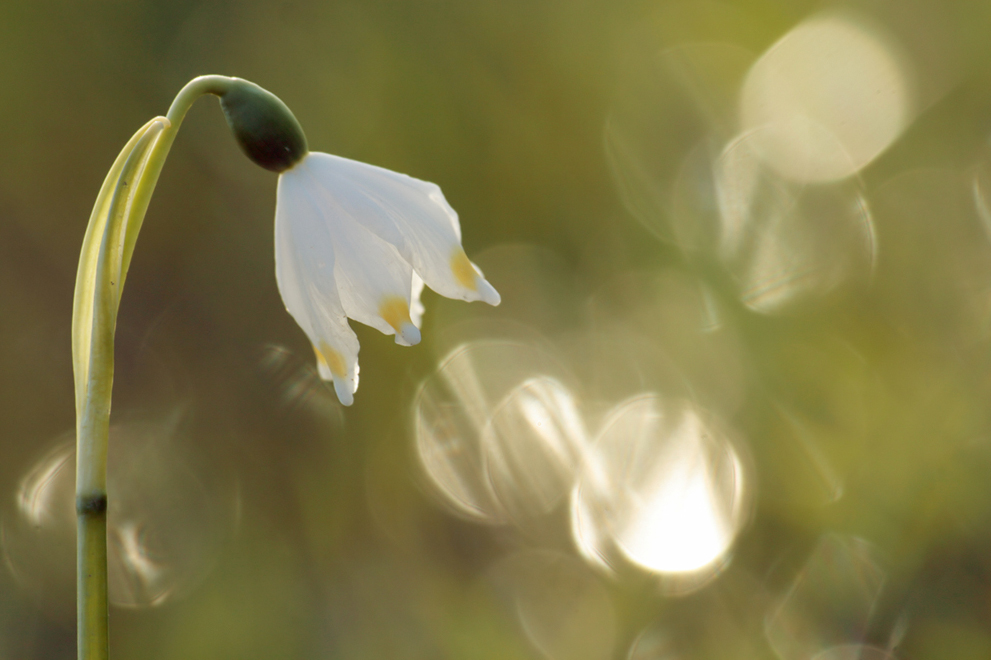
x: 828, y: 97
x: 664, y: 486
x: 499, y: 438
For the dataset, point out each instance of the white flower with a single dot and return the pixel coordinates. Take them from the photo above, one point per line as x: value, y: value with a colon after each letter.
x: 355, y: 240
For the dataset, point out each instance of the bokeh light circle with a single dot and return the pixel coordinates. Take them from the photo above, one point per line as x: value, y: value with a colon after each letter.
x: 654, y: 643
x: 498, y: 433
x: 786, y: 243
x: 668, y: 102
x: 854, y: 652
x: 562, y: 607
x: 664, y: 490
x: 830, y: 96
x: 829, y: 603
x: 168, y: 518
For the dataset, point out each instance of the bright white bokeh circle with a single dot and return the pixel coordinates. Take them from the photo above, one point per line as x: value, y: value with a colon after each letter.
x: 665, y: 491
x: 828, y: 97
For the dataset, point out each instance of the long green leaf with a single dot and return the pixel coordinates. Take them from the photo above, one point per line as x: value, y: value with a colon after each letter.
x: 99, y: 277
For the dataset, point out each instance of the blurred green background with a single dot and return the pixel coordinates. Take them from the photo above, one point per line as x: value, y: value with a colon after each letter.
x: 734, y: 403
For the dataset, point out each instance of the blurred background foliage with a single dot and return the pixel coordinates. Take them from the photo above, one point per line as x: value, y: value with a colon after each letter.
x: 734, y: 403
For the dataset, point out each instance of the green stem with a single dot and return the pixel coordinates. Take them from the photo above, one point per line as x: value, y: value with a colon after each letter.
x: 94, y: 318
x: 103, y: 263
x: 195, y: 88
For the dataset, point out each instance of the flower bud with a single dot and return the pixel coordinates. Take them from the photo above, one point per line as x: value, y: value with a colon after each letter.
x: 264, y: 127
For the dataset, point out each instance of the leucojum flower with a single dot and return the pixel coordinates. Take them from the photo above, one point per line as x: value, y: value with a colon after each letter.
x: 351, y: 240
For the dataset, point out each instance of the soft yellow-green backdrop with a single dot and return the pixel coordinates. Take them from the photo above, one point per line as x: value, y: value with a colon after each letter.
x: 849, y: 377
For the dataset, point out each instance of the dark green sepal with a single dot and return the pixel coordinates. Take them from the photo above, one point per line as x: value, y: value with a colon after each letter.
x: 264, y: 127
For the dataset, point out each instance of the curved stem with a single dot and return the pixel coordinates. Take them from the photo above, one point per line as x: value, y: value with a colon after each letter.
x: 195, y: 88
x: 103, y: 263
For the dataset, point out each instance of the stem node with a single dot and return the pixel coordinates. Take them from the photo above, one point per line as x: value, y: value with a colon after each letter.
x: 91, y: 504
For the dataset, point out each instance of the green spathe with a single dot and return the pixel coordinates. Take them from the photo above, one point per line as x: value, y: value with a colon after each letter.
x: 264, y: 127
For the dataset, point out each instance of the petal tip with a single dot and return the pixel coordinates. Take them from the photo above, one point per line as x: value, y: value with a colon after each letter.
x: 487, y: 293
x: 332, y: 366
x: 408, y: 335
x: 344, y: 392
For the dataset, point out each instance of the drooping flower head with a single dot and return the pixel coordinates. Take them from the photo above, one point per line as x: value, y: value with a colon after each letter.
x: 351, y: 240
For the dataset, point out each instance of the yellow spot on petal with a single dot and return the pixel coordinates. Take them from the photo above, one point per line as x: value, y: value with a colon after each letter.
x: 395, y: 311
x: 331, y: 359
x: 463, y: 271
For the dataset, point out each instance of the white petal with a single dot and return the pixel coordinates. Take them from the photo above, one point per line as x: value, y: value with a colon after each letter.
x: 416, y: 308
x: 410, y: 214
x: 374, y: 282
x: 409, y: 333
x: 304, y: 270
